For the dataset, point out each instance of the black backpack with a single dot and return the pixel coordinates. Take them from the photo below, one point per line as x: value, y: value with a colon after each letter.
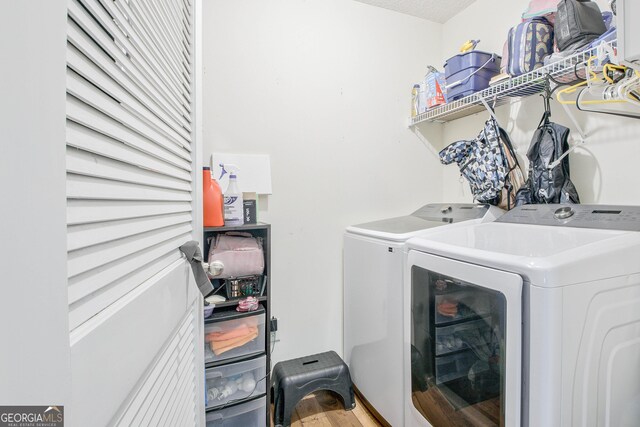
x: 545, y: 185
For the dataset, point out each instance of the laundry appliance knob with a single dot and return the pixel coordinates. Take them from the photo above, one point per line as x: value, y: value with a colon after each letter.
x: 564, y: 212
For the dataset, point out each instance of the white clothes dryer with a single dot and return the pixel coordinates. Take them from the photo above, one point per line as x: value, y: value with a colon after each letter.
x: 373, y: 271
x: 532, y: 320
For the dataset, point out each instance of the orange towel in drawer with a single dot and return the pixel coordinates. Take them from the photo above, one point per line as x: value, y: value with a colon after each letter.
x: 240, y: 331
x: 218, y: 347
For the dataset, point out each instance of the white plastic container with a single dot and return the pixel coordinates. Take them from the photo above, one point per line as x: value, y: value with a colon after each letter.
x: 422, y: 98
x: 233, y: 202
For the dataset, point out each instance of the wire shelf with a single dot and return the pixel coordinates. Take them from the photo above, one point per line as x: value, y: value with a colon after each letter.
x: 528, y: 84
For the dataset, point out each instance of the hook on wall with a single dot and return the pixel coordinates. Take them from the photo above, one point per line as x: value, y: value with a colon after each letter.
x: 546, y: 98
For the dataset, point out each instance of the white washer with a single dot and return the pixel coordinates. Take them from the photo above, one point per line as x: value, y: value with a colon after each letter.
x: 532, y: 320
x: 373, y: 269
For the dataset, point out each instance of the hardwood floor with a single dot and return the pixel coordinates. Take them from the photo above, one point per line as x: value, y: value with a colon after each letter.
x: 485, y: 414
x: 322, y: 409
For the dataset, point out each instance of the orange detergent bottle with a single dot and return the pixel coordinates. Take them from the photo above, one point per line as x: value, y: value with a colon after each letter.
x: 212, y: 200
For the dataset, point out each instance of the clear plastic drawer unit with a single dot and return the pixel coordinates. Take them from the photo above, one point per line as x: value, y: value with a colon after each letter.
x: 230, y: 335
x: 251, y: 413
x: 229, y: 384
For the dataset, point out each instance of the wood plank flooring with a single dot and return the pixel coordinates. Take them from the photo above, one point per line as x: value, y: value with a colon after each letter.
x: 323, y: 409
x: 484, y: 414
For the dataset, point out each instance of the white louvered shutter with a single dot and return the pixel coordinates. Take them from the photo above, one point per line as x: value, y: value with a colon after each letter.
x: 130, y: 197
x: 172, y: 372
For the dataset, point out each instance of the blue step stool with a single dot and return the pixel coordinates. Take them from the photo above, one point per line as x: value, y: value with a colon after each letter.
x: 294, y: 379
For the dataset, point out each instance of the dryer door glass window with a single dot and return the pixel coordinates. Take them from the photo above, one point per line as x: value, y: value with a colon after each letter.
x: 457, y: 351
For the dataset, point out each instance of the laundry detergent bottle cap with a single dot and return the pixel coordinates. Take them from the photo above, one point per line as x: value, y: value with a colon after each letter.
x: 233, y: 202
x: 212, y: 200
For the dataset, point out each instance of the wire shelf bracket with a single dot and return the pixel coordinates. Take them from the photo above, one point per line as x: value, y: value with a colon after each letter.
x: 583, y: 134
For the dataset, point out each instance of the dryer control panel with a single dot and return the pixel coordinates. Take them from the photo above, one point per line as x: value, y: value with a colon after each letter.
x: 605, y: 217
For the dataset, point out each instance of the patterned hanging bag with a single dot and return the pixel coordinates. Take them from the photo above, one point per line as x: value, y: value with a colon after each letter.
x: 489, y: 164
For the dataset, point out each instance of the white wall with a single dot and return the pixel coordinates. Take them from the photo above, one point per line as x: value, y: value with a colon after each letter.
x: 323, y: 87
x: 604, y: 170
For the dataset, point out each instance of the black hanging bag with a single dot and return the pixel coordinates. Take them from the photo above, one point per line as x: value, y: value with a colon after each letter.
x: 545, y: 184
x: 578, y: 23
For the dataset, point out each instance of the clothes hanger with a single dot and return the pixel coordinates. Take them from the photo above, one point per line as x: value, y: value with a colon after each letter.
x: 629, y: 90
x: 627, y: 99
x: 615, y: 109
x: 572, y: 89
x: 623, y: 91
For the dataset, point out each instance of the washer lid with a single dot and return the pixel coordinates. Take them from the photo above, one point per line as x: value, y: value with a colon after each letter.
x: 548, y: 256
x: 452, y: 212
x: 400, y: 225
x: 427, y: 217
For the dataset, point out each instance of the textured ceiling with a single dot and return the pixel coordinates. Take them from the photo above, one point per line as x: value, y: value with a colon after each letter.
x: 433, y: 10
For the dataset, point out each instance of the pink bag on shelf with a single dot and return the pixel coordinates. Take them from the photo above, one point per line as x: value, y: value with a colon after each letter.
x: 241, y: 254
x: 504, y: 65
x: 545, y: 8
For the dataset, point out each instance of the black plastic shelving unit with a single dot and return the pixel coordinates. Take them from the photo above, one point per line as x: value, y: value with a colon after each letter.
x: 263, y: 231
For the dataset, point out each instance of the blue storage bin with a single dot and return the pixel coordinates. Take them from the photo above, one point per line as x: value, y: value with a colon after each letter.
x: 470, y: 72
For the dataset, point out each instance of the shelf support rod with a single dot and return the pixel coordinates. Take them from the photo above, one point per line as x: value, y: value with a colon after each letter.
x: 581, y: 140
x: 565, y: 154
x: 576, y: 125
